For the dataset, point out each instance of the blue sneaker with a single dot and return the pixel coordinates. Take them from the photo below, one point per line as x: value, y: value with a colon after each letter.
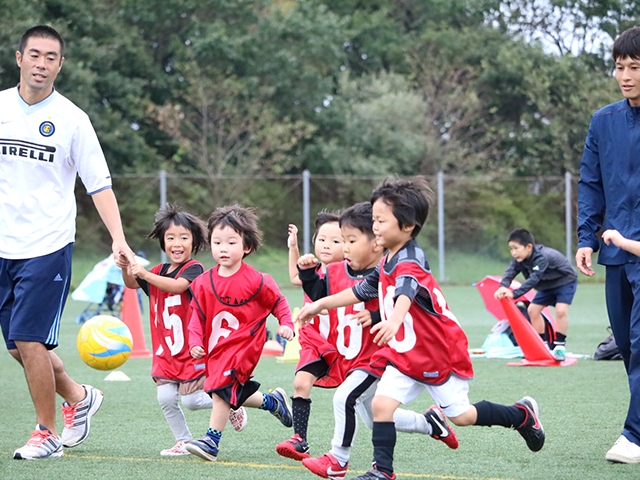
x: 204, y: 448
x: 283, y: 410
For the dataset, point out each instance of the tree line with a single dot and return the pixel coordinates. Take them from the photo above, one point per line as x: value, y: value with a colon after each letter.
x: 338, y: 87
x: 334, y: 86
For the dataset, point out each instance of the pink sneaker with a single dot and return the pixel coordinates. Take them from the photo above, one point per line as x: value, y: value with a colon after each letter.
x: 77, y: 417
x: 175, y: 451
x: 326, y: 466
x: 238, y: 419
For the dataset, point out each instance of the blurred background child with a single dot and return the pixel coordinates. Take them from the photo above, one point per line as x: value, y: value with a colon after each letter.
x: 317, y: 356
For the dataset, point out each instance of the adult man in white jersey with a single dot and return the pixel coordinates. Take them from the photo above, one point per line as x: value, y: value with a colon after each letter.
x: 45, y: 141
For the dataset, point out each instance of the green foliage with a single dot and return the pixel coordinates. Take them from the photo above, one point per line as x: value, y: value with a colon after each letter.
x: 481, y: 213
x: 269, y: 87
x: 382, y: 127
x: 223, y: 90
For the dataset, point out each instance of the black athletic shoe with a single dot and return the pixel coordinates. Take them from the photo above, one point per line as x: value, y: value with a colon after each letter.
x: 531, y: 429
x: 374, y: 474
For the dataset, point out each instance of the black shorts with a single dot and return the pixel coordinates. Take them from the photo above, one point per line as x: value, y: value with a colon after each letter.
x: 236, y: 391
x: 318, y: 368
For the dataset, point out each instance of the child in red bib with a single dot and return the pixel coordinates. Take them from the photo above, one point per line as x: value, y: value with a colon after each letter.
x: 228, y: 327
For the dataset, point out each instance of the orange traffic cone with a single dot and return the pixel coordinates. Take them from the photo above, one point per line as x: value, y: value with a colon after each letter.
x: 272, y: 349
x: 535, y: 351
x: 132, y: 318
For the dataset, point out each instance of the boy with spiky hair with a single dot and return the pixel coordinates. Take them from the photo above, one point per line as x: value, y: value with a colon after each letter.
x: 431, y: 351
x: 350, y: 333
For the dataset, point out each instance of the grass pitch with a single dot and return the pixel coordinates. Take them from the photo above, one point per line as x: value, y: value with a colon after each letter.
x: 582, y: 409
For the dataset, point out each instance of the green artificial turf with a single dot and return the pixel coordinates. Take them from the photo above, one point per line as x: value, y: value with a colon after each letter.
x: 582, y: 408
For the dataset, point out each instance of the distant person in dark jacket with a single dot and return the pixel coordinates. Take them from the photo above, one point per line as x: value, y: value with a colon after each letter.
x: 608, y: 198
x: 551, y: 274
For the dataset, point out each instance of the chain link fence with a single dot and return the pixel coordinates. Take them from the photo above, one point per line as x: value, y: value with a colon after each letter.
x: 479, y: 212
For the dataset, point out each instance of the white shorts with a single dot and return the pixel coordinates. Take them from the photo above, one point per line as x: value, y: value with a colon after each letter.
x: 452, y: 396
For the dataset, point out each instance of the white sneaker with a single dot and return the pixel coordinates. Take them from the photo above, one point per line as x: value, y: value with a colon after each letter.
x: 177, y: 450
x: 77, y: 417
x: 42, y: 444
x: 238, y: 419
x: 559, y: 353
x: 623, y: 451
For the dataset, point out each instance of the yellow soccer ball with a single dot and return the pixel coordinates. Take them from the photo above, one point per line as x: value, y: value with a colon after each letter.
x: 104, y: 342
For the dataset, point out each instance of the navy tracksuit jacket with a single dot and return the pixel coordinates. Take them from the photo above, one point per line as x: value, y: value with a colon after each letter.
x: 609, y: 197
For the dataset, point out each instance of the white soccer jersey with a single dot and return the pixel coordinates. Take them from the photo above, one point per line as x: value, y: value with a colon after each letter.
x: 42, y: 148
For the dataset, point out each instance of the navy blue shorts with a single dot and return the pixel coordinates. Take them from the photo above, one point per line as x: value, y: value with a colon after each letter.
x: 562, y: 294
x: 33, y: 292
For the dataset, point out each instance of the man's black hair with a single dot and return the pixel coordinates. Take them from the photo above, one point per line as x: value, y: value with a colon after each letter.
x: 41, y: 31
x: 627, y: 45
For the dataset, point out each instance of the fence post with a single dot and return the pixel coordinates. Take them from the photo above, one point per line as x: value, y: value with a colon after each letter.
x: 306, y: 222
x: 163, y: 202
x: 441, y: 224
x: 567, y: 213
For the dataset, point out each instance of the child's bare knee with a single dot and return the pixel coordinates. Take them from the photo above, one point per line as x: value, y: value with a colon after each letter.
x: 467, y: 418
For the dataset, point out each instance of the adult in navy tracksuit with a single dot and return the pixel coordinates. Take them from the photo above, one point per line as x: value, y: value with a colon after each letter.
x: 609, y: 198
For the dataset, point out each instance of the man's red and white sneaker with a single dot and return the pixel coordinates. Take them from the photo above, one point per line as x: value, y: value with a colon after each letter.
x: 42, y: 444
x: 238, y: 419
x: 326, y: 466
x: 77, y: 417
x: 440, y: 430
x: 177, y: 450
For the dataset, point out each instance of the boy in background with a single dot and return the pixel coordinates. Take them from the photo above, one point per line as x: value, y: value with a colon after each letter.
x: 551, y: 274
x: 327, y: 243
x: 317, y: 355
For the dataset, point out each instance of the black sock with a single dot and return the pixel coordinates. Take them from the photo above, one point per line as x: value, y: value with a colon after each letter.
x: 384, y: 441
x: 561, y: 339
x: 545, y: 338
x: 301, y: 408
x: 490, y: 413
